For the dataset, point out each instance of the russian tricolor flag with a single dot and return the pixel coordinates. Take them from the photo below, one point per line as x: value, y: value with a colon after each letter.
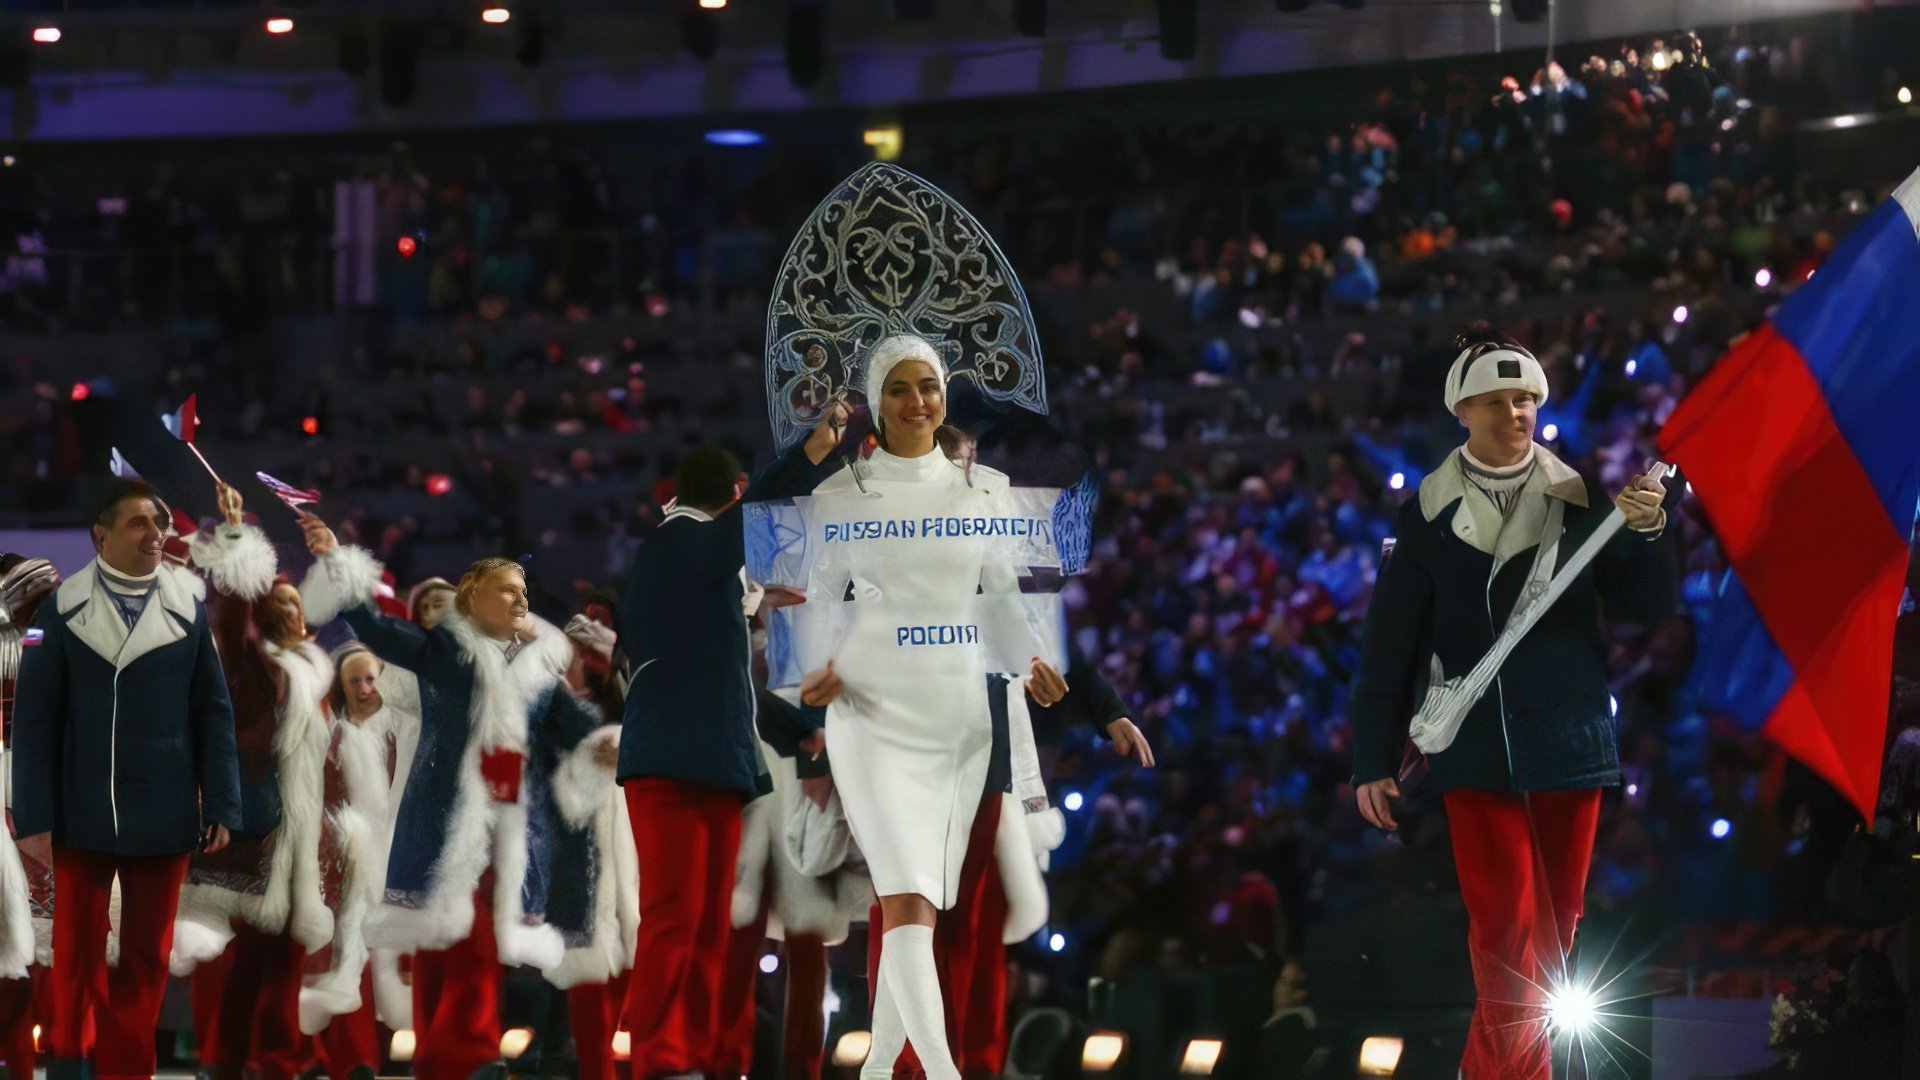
x: 183, y: 421
x: 1803, y: 447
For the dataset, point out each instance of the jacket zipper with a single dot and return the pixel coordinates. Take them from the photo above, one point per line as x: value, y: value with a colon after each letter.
x: 113, y: 757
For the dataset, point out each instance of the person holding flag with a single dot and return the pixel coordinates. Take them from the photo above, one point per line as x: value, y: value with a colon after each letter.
x: 1522, y: 774
x: 249, y: 915
x: 492, y: 857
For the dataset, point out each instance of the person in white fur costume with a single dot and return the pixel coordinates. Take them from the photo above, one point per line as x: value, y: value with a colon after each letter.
x: 595, y: 975
x: 493, y: 858
x: 24, y: 583
x: 343, y: 1003
x: 250, y: 914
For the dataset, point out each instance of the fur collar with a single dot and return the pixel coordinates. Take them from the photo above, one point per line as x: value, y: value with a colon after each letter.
x: 377, y: 726
x: 307, y: 652
x: 503, y: 692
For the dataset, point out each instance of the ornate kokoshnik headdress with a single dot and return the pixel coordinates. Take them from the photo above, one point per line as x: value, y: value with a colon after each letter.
x: 888, y: 253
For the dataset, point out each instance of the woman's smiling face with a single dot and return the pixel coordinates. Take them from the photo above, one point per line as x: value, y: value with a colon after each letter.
x: 912, y: 406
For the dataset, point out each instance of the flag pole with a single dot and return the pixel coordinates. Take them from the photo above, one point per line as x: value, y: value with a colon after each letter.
x: 204, y: 464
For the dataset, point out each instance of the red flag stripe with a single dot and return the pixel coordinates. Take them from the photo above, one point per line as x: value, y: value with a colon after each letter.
x: 1803, y: 526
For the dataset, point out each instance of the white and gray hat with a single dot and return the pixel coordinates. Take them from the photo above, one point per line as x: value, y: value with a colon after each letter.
x: 1486, y: 366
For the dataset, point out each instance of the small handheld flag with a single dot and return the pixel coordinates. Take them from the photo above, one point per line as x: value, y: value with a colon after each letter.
x: 294, y: 497
x: 181, y: 422
x: 121, y: 467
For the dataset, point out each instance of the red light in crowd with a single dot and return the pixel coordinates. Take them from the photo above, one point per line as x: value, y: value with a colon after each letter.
x: 407, y: 247
x: 555, y: 352
x: 280, y: 26
x: 310, y: 425
x: 438, y: 484
x: 80, y: 391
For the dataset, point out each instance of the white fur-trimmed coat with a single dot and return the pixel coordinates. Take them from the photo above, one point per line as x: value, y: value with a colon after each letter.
x: 449, y: 830
x: 270, y: 881
x: 359, y: 832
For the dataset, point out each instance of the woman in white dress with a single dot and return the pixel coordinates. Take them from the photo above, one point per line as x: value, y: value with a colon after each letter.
x: 908, y: 721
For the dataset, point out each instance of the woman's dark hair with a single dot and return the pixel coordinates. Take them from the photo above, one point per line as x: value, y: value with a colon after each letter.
x: 706, y: 477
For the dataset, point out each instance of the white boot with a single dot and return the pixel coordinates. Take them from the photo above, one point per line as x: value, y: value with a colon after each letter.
x: 889, y: 1035
x: 907, y: 969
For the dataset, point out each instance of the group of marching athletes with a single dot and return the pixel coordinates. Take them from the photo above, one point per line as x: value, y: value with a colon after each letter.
x: 621, y: 805
x: 333, y: 845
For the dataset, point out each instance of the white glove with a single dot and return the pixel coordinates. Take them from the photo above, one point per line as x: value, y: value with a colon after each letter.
x: 592, y: 633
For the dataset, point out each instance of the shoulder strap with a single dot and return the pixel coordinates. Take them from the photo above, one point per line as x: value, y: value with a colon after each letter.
x: 1545, y: 556
x: 1448, y: 700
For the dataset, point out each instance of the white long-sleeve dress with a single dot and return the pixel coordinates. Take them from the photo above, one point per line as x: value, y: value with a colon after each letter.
x: 899, y: 597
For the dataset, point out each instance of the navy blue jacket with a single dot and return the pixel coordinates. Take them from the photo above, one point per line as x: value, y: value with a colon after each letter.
x: 1547, y: 723
x: 127, y: 759
x: 691, y: 702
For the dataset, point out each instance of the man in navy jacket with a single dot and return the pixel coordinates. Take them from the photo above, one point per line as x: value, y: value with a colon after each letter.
x: 124, y: 753
x: 689, y: 758
x: 1521, y: 780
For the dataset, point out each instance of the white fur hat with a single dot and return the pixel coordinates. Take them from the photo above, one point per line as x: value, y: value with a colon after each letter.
x: 1486, y: 366
x: 888, y: 352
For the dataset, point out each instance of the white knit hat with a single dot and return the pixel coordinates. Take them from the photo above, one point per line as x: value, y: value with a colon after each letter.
x: 1483, y: 367
x: 888, y: 353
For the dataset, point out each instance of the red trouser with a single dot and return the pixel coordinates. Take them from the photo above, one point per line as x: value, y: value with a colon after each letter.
x: 594, y: 1010
x: 687, y: 838
x: 206, y: 990
x: 805, y: 1029
x: 123, y: 1001
x: 22, y: 1002
x: 352, y: 1041
x: 1522, y: 861
x: 737, y: 1011
x: 971, y: 956
x: 246, y: 1007
x: 456, y: 999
